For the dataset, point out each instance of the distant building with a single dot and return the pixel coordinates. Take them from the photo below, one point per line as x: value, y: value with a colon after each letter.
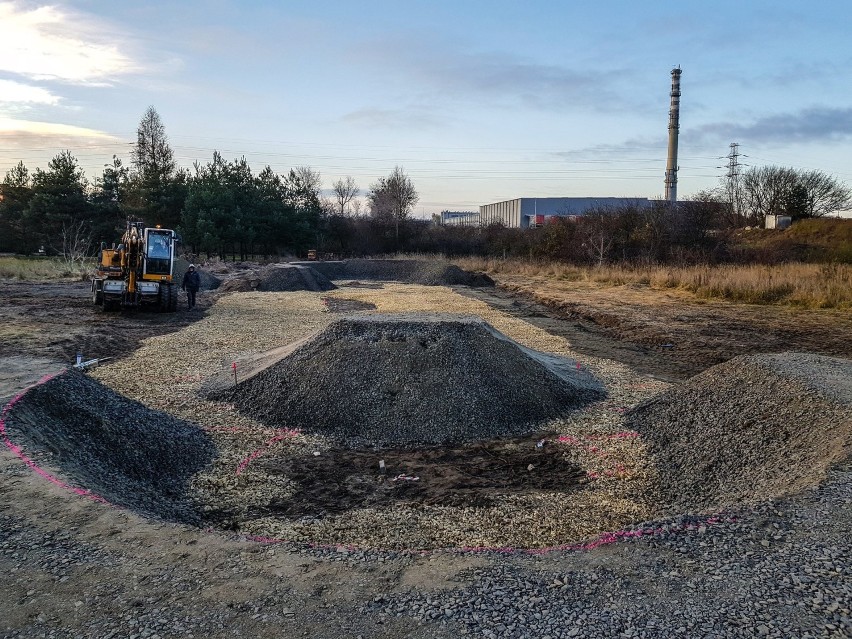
x: 459, y: 218
x: 526, y: 212
x: 778, y: 221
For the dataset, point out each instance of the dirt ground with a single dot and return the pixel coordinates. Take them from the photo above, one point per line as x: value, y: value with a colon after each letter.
x: 73, y: 567
x: 666, y: 334
x: 343, y: 479
x: 44, y: 325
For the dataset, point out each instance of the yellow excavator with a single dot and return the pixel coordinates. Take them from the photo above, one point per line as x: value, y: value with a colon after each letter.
x: 139, y: 271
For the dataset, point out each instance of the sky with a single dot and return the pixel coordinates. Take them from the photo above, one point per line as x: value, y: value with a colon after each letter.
x: 478, y: 101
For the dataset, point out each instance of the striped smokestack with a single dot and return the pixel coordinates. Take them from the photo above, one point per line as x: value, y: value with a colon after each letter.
x: 674, y: 127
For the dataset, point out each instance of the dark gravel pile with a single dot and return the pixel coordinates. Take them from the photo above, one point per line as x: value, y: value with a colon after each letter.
x: 132, y: 456
x: 426, y: 272
x: 332, y: 269
x: 278, y: 277
x: 284, y: 277
x: 209, y: 282
x: 393, y: 379
x: 752, y: 428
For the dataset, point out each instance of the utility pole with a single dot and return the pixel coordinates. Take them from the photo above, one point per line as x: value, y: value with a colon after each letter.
x: 734, y: 182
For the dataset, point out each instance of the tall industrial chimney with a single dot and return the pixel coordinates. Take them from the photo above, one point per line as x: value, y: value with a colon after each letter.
x: 674, y: 127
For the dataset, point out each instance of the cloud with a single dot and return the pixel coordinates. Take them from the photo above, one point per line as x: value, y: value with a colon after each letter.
x: 448, y: 72
x: 24, y: 128
x: 815, y: 124
x: 404, y: 118
x: 12, y: 92
x: 36, y: 142
x: 49, y: 43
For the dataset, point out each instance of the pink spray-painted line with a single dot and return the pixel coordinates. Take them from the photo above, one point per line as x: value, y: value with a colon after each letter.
x: 619, y: 470
x: 285, y: 433
x: 604, y: 539
x: 19, y: 453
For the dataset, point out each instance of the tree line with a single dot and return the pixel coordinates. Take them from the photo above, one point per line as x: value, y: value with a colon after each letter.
x: 776, y: 190
x: 220, y: 208
x: 223, y: 208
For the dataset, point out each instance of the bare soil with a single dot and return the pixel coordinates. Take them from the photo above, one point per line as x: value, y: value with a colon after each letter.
x: 666, y: 334
x: 57, y: 320
x: 43, y: 325
x: 343, y: 479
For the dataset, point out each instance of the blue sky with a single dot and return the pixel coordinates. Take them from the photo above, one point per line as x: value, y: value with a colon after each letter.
x: 478, y: 101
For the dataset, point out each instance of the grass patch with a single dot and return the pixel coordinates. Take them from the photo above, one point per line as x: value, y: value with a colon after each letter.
x: 43, y: 269
x: 795, y: 284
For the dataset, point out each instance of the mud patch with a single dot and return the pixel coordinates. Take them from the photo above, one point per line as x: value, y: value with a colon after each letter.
x: 472, y: 475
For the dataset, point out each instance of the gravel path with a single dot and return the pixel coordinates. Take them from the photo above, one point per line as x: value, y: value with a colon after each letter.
x: 241, y: 491
x: 74, y: 569
x: 781, y: 570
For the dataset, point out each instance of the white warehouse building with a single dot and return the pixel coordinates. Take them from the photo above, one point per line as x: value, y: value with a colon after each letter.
x: 525, y: 212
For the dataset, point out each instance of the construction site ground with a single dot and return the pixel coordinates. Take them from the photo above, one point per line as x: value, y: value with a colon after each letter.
x: 75, y: 567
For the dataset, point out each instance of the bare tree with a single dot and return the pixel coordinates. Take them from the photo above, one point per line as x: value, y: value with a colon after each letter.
x: 75, y: 243
x: 598, y: 230
x: 765, y: 190
x: 356, y: 208
x: 768, y: 190
x: 393, y: 197
x: 344, y: 192
x: 825, y: 195
x: 310, y: 179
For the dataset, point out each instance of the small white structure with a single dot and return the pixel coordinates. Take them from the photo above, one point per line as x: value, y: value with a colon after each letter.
x: 459, y: 218
x: 778, y: 221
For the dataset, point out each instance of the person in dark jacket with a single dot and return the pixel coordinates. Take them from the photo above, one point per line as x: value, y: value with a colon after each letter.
x: 191, y: 284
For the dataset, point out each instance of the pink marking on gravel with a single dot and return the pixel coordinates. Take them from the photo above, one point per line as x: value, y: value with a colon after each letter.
x: 581, y: 442
x: 284, y: 433
x: 228, y: 429
x: 604, y: 539
x: 19, y: 453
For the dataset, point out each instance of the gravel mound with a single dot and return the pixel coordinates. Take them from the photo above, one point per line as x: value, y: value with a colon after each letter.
x: 425, y: 272
x: 753, y: 428
x: 209, y: 282
x: 278, y: 277
x: 132, y: 456
x: 395, y: 379
x: 285, y: 277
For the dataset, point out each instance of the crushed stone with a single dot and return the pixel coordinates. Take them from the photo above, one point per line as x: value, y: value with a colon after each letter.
x: 753, y: 428
x: 130, y: 455
x: 391, y: 379
x: 277, y: 278
x: 424, y: 272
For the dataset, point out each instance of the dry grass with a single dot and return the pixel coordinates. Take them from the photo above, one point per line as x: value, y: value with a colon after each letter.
x: 41, y: 269
x: 796, y: 284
